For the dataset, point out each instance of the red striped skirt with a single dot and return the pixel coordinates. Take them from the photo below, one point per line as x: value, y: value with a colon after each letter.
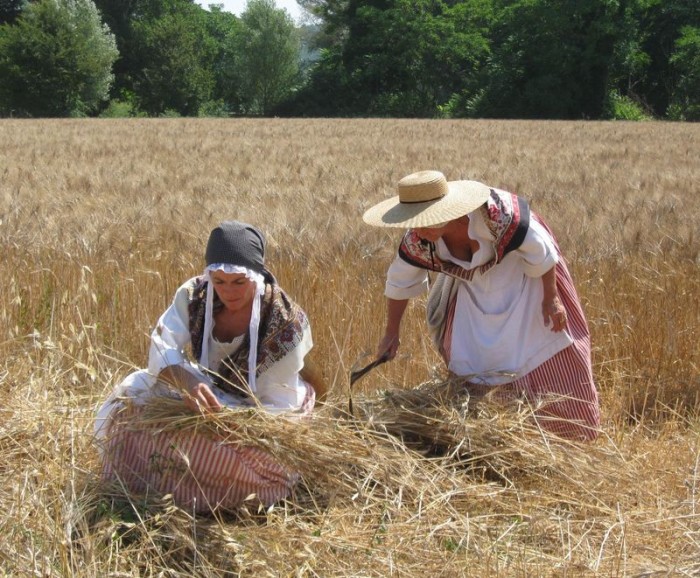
x: 561, y: 389
x: 562, y: 393
x: 202, y: 472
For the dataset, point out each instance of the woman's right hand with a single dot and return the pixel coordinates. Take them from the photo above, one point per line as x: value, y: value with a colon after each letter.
x: 200, y: 399
x: 197, y: 395
x: 389, y: 345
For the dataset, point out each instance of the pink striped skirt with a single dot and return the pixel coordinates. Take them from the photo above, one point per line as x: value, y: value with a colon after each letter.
x: 561, y: 389
x: 562, y: 393
x: 202, y: 472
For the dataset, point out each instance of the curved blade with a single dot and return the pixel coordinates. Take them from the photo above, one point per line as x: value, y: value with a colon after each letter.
x: 355, y: 375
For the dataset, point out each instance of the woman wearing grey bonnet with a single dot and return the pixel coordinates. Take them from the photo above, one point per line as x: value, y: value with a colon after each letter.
x: 231, y: 337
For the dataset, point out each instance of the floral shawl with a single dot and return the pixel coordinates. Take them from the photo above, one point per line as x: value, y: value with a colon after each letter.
x: 282, y: 326
x: 507, y: 217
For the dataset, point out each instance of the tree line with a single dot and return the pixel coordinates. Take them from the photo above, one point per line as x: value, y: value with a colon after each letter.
x: 538, y: 59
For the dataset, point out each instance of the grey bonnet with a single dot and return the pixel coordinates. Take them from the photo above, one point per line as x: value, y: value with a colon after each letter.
x: 236, y: 243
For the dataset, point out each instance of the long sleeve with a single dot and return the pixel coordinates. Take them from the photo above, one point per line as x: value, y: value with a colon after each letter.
x: 404, y: 281
x: 538, y: 251
x: 277, y: 388
x: 171, y: 334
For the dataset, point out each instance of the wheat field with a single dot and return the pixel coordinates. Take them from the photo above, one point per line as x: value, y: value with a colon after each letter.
x: 101, y: 220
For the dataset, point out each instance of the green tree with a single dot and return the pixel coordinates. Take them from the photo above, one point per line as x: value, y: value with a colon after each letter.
x: 56, y: 60
x: 660, y: 24
x: 176, y: 55
x: 399, y: 57
x: 551, y: 59
x: 224, y: 29
x: 119, y: 16
x: 267, y: 56
x: 413, y: 55
x: 332, y: 17
x: 10, y: 10
x: 685, y: 101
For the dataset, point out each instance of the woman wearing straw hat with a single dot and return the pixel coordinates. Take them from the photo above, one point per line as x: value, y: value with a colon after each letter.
x: 503, y: 311
x: 248, y: 341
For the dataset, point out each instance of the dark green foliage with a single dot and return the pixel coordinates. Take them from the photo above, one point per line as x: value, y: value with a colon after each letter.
x: 172, y: 52
x: 551, y: 59
x: 56, y: 60
x: 224, y: 29
x: 399, y: 57
x: 10, y: 10
x: 685, y: 102
x: 177, y: 58
x: 566, y: 59
x: 659, y: 28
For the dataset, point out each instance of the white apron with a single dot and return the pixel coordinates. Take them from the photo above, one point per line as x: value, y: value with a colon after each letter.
x: 498, y: 330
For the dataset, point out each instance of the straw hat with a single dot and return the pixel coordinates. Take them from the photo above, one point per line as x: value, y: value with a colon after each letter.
x: 425, y: 199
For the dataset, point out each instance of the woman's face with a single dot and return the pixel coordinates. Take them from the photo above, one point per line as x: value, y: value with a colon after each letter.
x: 431, y: 234
x: 455, y: 227
x: 235, y: 290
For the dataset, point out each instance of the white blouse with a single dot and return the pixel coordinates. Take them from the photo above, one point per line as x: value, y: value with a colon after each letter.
x: 277, y: 388
x: 498, y: 330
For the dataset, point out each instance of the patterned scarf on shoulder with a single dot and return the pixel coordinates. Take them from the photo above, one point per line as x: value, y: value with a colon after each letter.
x: 507, y: 217
x: 282, y: 327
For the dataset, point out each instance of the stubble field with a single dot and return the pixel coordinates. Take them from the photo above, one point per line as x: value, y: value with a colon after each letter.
x: 101, y: 220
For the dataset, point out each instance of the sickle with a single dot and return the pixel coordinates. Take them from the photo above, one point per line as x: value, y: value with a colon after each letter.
x: 355, y: 375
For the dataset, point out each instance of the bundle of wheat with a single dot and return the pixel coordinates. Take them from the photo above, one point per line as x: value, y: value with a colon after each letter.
x: 393, y: 433
x: 489, y: 438
x: 331, y: 454
x: 382, y: 469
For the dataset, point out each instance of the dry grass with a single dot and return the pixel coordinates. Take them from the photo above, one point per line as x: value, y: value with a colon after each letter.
x: 101, y: 220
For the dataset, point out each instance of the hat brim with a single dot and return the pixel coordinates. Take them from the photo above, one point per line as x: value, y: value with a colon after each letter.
x: 463, y: 198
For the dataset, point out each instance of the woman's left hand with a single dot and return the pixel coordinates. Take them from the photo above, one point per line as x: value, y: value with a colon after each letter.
x: 554, y: 313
